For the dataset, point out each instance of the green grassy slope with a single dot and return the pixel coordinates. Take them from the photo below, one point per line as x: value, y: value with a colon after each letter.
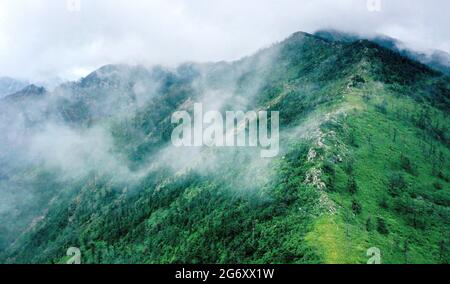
x: 391, y: 186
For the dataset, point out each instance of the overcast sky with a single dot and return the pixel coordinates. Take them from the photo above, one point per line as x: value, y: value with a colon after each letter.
x: 40, y: 39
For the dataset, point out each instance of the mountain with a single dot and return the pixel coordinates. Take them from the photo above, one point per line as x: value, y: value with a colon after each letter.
x: 9, y: 86
x: 436, y: 59
x: 26, y: 92
x: 364, y: 142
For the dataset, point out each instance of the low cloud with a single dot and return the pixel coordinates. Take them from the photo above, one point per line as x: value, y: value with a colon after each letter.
x: 42, y: 39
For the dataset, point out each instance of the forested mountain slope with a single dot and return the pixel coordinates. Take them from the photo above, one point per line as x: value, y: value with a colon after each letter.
x: 363, y: 162
x: 436, y: 59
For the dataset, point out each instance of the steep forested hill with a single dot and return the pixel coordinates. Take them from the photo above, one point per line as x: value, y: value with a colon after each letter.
x: 363, y: 162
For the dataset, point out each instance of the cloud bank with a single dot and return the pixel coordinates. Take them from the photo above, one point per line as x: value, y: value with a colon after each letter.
x: 42, y: 39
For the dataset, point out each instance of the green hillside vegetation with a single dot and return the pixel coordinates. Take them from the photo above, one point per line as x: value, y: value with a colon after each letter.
x: 363, y: 163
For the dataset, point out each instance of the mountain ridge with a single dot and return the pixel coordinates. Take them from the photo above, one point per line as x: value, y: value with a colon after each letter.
x: 438, y: 60
x: 362, y: 164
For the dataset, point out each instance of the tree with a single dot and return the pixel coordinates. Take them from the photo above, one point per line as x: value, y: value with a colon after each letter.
x: 407, y: 165
x: 351, y: 185
x: 381, y: 226
x: 382, y: 107
x: 370, y: 142
x: 443, y: 253
x: 369, y: 223
x: 396, y: 184
x: 356, y: 207
x: 384, y: 202
x: 352, y: 139
x: 405, y: 250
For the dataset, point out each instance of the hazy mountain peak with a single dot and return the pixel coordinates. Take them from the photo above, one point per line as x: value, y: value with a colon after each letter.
x: 9, y: 86
x: 436, y: 59
x: 30, y: 91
